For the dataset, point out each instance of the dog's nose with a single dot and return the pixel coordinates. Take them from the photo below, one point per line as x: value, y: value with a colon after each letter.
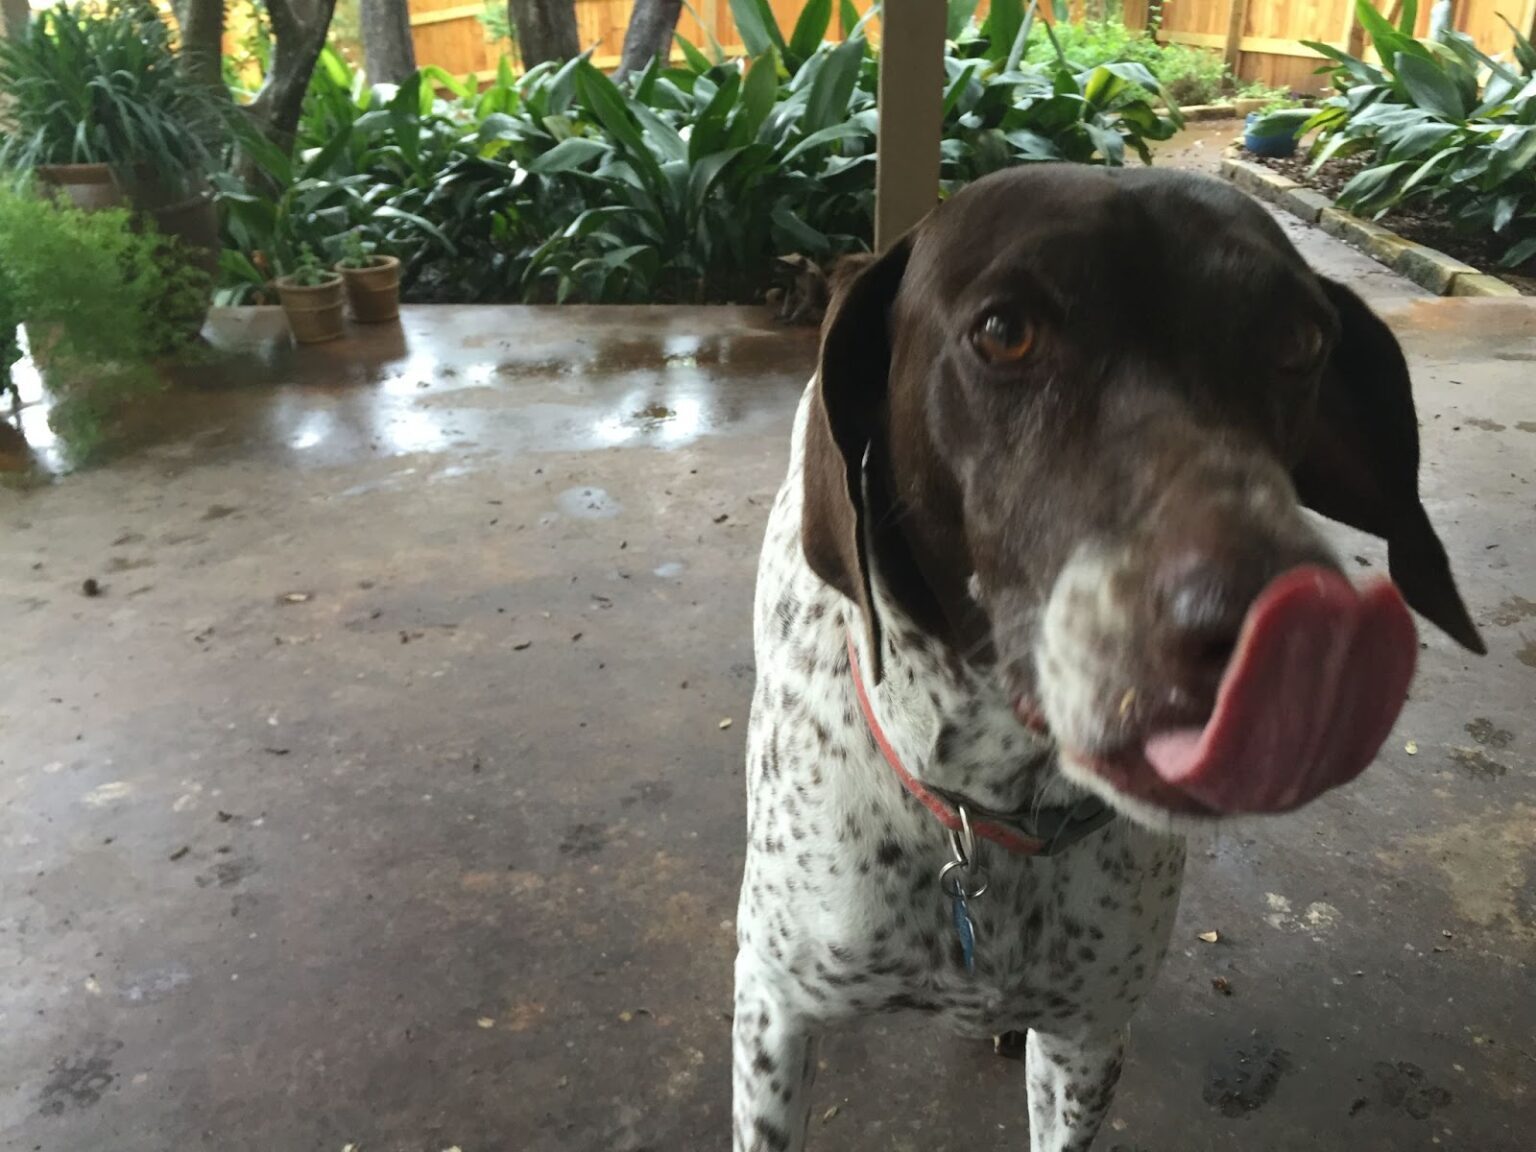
x: 1205, y: 584
x: 1204, y: 606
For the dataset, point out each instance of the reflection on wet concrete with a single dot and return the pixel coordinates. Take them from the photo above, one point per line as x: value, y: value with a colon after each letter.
x: 501, y: 379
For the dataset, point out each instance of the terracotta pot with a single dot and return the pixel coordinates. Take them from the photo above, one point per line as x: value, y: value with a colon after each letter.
x: 314, y: 312
x: 88, y: 186
x: 373, y: 292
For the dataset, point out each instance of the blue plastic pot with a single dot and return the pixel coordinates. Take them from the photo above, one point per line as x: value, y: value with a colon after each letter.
x: 1282, y: 145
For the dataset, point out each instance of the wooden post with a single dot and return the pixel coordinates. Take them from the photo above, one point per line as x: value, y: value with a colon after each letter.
x: 1237, y: 17
x: 911, y: 116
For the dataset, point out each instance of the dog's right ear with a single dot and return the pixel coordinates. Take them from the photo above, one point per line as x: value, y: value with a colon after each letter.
x: 847, y: 413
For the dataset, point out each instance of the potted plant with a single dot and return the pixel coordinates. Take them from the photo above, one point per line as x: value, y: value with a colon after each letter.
x: 372, y: 280
x: 98, y: 109
x: 311, y: 296
x: 1272, y: 131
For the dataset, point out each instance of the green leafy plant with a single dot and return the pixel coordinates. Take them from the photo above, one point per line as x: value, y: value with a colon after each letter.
x: 682, y: 184
x: 308, y: 272
x: 1187, y: 75
x: 1445, y: 125
x: 94, y: 291
x: 99, y: 85
x: 357, y: 252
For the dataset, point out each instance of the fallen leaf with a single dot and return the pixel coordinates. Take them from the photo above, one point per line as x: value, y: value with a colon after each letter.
x: 295, y: 597
x: 521, y: 646
x: 179, y: 853
x: 1222, y: 985
x: 828, y: 1114
x: 626, y: 1017
x: 1412, y: 747
x: 1209, y: 937
x: 486, y: 1022
x: 722, y: 518
x: 726, y: 723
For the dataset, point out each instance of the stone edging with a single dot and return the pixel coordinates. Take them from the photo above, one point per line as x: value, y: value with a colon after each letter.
x: 1426, y: 267
x: 1226, y: 110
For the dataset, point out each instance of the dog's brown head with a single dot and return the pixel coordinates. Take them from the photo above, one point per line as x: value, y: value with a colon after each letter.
x: 1071, y: 421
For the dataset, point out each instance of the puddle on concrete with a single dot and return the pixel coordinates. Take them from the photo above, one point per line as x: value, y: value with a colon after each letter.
x: 670, y: 569
x: 499, y: 379
x: 588, y: 504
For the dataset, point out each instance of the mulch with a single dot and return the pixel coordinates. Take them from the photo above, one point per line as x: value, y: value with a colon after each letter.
x: 1415, y: 222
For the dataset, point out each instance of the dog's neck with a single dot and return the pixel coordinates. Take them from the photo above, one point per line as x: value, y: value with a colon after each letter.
x: 952, y: 724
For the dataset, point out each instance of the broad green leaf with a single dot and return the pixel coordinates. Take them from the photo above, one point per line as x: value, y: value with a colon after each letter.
x: 1430, y: 87
x: 607, y: 103
x: 445, y: 79
x: 1003, y: 27
x: 755, y: 22
x: 1520, y: 253
x: 696, y: 59
x: 669, y: 144
x: 320, y: 163
x: 566, y: 155
x: 1524, y: 52
x: 817, y: 139
x: 848, y: 17
x: 810, y: 29
x: 800, y: 235
x: 758, y: 93
x: 959, y: 17
x: 830, y: 93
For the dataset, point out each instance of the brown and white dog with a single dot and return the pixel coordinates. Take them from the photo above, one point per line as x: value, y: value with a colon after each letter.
x: 1039, y: 594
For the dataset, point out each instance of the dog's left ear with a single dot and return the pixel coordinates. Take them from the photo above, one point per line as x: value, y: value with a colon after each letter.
x: 1360, y: 463
x: 846, y: 415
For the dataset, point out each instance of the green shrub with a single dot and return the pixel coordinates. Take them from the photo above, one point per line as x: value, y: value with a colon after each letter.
x: 95, y: 295
x: 681, y: 185
x: 1188, y: 75
x: 1445, y: 124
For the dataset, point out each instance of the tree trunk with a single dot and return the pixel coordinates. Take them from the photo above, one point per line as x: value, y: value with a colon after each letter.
x: 298, y: 35
x: 16, y: 14
x: 202, y: 41
x: 546, y: 30
x: 389, y: 54
x: 651, y: 26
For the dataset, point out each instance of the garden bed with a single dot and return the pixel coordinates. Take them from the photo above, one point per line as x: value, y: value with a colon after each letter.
x: 1418, y: 225
x: 1423, y: 263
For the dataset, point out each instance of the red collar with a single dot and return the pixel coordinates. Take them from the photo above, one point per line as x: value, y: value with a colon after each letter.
x: 1061, y: 828
x: 942, y: 809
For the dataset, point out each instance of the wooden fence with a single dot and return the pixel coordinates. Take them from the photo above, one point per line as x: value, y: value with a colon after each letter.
x: 1261, y: 39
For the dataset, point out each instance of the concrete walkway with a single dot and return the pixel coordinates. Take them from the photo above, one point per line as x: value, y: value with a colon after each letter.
x: 384, y: 797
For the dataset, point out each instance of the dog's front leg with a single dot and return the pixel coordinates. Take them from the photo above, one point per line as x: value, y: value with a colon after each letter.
x: 1071, y: 1085
x: 773, y: 1057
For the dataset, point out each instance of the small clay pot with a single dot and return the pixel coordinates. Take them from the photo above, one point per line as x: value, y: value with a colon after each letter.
x: 373, y: 293
x: 314, y: 311
x: 88, y: 186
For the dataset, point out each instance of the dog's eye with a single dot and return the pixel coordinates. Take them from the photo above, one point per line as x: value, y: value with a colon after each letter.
x: 999, y: 338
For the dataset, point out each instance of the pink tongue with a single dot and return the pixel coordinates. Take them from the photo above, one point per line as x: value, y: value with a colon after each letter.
x: 1320, y: 673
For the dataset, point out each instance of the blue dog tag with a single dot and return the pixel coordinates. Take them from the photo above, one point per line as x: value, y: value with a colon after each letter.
x: 965, y: 929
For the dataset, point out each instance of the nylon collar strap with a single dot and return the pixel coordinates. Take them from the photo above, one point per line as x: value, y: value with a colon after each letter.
x: 1034, y: 833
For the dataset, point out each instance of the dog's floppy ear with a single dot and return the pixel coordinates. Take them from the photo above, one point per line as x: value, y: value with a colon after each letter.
x: 846, y: 415
x: 1360, y: 463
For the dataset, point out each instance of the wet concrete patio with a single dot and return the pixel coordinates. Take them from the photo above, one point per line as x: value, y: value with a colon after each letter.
x: 383, y: 796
